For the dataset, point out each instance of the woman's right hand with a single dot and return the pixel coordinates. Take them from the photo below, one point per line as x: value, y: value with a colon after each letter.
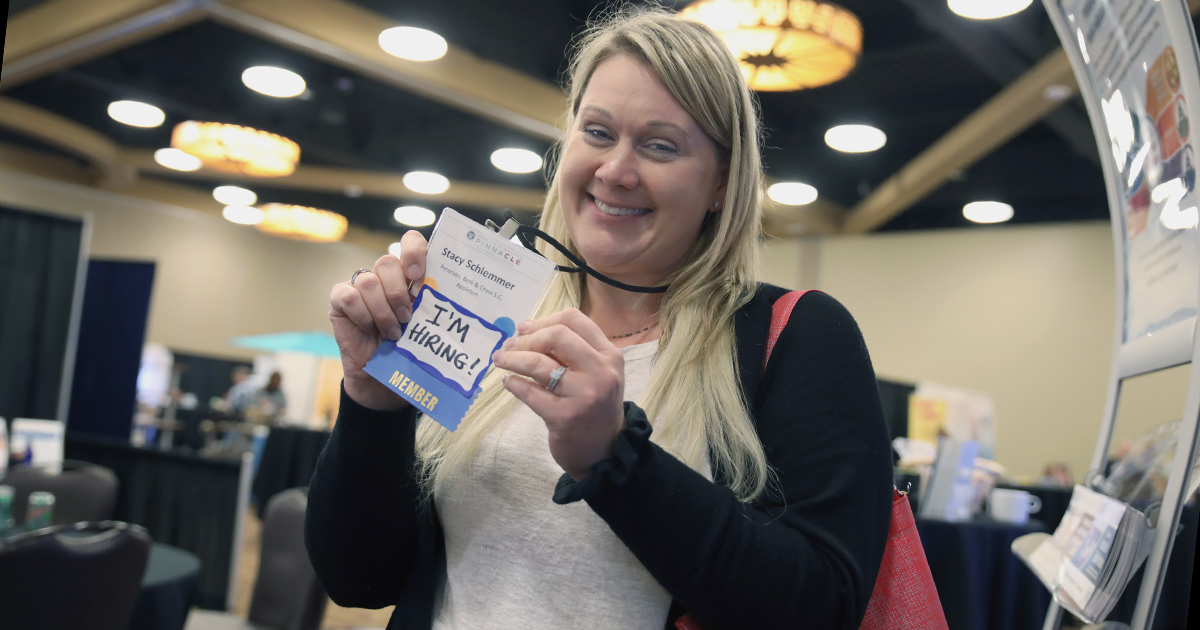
x: 363, y: 314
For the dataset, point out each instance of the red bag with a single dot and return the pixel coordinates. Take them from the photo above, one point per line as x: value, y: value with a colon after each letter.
x: 904, y: 597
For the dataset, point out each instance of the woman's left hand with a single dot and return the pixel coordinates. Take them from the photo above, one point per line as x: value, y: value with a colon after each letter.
x: 585, y: 411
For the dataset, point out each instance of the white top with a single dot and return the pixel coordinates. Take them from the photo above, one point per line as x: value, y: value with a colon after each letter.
x: 515, y: 559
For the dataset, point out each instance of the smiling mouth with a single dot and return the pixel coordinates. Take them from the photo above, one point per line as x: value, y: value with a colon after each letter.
x: 616, y: 211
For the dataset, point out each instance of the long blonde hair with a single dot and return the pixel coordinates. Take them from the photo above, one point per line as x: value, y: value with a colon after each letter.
x: 694, y: 392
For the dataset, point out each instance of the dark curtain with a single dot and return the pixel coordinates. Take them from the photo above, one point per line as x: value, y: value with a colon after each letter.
x: 39, y: 255
x: 182, y: 500
x: 206, y: 377
x: 112, y: 330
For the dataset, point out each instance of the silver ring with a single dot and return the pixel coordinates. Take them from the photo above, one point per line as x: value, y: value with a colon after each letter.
x: 555, y: 377
x: 354, y: 276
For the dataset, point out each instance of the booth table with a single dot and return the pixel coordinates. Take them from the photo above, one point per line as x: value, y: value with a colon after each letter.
x: 167, y: 589
x: 288, y: 460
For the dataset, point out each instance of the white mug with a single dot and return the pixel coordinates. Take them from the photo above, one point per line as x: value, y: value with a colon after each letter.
x: 1012, y: 506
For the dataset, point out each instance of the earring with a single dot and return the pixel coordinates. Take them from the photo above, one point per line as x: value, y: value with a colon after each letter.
x: 716, y: 204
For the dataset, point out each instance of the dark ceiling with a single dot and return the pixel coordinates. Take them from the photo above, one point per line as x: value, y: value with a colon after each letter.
x: 923, y: 70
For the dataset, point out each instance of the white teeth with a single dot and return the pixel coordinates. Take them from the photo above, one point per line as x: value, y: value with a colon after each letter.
x: 618, y: 212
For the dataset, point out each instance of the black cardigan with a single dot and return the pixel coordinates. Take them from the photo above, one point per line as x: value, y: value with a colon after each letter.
x: 807, y: 554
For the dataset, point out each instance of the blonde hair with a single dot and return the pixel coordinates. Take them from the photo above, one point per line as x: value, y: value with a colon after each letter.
x: 693, y: 395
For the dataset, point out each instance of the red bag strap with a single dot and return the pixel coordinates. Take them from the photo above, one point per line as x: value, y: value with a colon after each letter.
x: 781, y: 312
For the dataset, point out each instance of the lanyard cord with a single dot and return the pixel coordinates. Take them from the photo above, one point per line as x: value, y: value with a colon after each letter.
x: 524, y: 231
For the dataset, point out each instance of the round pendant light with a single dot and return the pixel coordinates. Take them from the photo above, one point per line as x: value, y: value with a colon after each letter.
x: 784, y: 45
x: 237, y: 149
x: 302, y: 223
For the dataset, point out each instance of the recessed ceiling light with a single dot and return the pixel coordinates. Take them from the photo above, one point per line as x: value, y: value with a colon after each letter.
x: 792, y: 193
x: 988, y: 211
x: 244, y: 215
x: 234, y: 196
x: 413, y: 44
x: 426, y: 183
x: 416, y: 216
x: 855, y: 138
x: 394, y: 249
x: 273, y: 81
x: 136, y: 114
x: 177, y: 160
x: 988, y: 9
x: 516, y: 160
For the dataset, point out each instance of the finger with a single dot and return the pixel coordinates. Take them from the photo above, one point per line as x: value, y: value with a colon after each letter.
x: 574, y: 319
x: 536, y: 397
x: 560, y: 343
x: 395, y: 286
x: 346, y: 301
x: 412, y: 256
x: 534, y: 365
x: 371, y: 290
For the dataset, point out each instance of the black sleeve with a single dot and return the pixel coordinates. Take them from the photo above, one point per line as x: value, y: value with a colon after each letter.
x: 361, y: 524
x: 807, y: 554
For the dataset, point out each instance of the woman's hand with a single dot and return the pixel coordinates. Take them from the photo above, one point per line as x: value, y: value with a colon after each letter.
x: 372, y: 309
x: 585, y: 411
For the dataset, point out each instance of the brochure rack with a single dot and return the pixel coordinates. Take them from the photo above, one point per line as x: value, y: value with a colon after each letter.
x: 1138, y: 69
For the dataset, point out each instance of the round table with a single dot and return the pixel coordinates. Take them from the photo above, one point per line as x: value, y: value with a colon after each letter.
x: 167, y: 589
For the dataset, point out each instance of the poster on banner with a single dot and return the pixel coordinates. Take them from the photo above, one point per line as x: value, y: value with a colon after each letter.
x: 1134, y: 83
x: 477, y: 286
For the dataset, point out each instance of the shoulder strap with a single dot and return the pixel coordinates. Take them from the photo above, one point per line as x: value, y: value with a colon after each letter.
x: 781, y: 311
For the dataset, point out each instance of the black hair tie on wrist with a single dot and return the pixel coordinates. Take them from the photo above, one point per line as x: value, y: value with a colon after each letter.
x: 524, y: 231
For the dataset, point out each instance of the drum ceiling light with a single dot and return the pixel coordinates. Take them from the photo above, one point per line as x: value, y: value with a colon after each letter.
x: 988, y: 9
x: 302, y: 223
x: 136, y: 114
x: 784, y: 45
x: 516, y: 160
x: 413, y: 44
x: 426, y: 182
x: 237, y: 149
x: 234, y: 196
x: 792, y: 193
x: 272, y: 81
x: 415, y: 216
x: 988, y: 211
x: 177, y: 160
x: 855, y: 138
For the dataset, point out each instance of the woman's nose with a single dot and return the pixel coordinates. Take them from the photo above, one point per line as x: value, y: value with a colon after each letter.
x: 619, y: 168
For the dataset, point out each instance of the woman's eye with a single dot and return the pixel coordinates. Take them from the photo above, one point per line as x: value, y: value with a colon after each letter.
x: 662, y: 148
x: 597, y: 132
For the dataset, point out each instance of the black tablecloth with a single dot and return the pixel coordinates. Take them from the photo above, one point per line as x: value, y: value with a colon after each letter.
x: 288, y: 460
x: 982, y: 585
x: 167, y: 589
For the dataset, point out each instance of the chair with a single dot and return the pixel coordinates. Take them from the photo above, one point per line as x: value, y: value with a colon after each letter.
x: 287, y: 595
x: 83, y: 576
x: 82, y: 491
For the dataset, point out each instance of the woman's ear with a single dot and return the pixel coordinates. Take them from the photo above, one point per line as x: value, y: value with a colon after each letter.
x: 718, y: 200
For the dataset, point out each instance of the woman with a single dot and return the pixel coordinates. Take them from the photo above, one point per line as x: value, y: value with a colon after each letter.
x: 748, y: 500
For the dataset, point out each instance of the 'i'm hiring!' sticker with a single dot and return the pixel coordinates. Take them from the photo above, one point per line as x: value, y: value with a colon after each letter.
x: 477, y: 285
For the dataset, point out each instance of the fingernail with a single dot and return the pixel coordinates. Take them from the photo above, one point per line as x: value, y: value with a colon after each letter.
x: 524, y: 326
x: 496, y: 355
x: 404, y: 314
x: 414, y: 271
x: 508, y: 343
x: 394, y: 332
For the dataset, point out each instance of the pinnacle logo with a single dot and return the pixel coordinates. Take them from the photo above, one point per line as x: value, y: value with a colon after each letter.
x: 471, y: 235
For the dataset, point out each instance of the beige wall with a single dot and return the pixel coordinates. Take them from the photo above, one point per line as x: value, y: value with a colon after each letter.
x: 1024, y: 313
x: 214, y: 279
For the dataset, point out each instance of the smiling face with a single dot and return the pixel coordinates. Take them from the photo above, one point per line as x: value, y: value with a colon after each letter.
x: 638, y: 174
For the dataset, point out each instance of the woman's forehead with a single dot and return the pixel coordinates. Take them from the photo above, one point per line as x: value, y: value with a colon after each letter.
x: 625, y: 89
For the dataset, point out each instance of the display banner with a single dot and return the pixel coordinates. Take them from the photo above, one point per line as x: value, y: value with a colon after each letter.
x: 1134, y: 87
x: 477, y: 286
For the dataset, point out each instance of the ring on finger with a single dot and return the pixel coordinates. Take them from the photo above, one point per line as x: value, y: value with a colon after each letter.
x: 555, y: 377
x: 354, y: 276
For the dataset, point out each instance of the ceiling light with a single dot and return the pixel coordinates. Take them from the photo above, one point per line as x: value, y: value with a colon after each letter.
x: 988, y: 9
x: 244, y: 215
x: 237, y: 149
x: 416, y: 216
x: 855, y: 138
x: 394, y: 249
x: 136, y: 114
x: 177, y: 160
x: 413, y: 44
x: 426, y: 183
x: 792, y: 193
x: 784, y: 44
x: 302, y: 223
x: 988, y: 211
x: 273, y: 81
x: 516, y: 160
x: 234, y: 196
